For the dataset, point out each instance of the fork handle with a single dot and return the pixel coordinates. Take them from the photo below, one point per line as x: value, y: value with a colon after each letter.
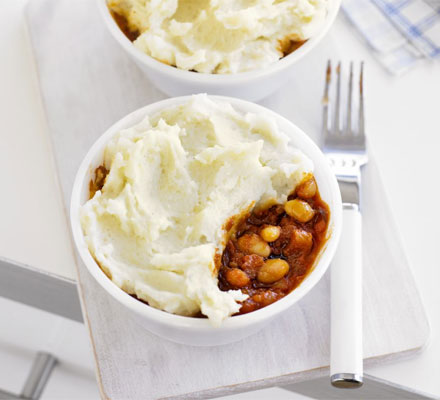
x: 346, y: 367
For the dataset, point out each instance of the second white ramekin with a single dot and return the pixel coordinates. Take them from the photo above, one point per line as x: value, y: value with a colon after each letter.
x: 252, y: 85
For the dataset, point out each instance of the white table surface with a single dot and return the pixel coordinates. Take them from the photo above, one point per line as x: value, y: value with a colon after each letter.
x: 403, y: 118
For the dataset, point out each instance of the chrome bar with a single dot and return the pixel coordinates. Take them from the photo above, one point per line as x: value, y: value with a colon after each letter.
x: 41, y: 369
x: 39, y: 374
x: 48, y: 292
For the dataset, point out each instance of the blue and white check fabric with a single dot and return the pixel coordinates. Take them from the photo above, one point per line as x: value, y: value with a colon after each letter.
x: 401, y: 32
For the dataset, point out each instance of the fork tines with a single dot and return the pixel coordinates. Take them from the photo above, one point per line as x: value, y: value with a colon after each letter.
x: 335, y: 131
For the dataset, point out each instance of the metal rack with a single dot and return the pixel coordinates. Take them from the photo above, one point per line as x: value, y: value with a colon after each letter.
x: 57, y: 295
x: 48, y: 292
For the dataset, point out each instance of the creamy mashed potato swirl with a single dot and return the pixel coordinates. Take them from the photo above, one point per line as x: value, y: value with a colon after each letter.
x: 220, y: 36
x: 173, y: 182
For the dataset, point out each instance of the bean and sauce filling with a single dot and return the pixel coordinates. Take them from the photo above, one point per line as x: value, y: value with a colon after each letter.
x: 272, y: 250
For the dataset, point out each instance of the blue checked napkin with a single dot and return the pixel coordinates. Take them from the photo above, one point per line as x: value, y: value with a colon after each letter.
x: 401, y: 33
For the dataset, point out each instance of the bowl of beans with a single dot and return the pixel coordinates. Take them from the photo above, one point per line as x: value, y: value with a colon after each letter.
x: 273, y: 254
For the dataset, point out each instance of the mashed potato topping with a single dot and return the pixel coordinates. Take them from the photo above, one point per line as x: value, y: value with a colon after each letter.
x: 174, y: 180
x: 224, y: 36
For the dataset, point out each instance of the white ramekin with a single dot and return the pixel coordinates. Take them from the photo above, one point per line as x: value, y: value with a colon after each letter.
x: 199, y: 331
x: 252, y: 85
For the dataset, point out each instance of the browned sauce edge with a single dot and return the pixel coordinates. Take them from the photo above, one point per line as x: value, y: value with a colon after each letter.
x: 288, y: 46
x: 122, y: 22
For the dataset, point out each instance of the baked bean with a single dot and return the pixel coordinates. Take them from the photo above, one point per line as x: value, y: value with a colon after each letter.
x: 236, y: 277
x: 265, y: 298
x: 300, y: 210
x: 273, y: 270
x: 302, y: 239
x: 281, y: 286
x: 248, y: 306
x: 251, y: 243
x: 307, y: 189
x: 270, y: 233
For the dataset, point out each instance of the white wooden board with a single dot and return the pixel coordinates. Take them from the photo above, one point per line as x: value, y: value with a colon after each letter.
x: 87, y: 83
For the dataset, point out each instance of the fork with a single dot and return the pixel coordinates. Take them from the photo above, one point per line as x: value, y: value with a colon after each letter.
x: 345, y: 149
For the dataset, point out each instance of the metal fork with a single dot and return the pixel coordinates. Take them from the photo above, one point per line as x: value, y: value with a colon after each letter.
x: 345, y: 148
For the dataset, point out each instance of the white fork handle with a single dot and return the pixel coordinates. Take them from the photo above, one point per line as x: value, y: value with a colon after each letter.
x: 346, y: 367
